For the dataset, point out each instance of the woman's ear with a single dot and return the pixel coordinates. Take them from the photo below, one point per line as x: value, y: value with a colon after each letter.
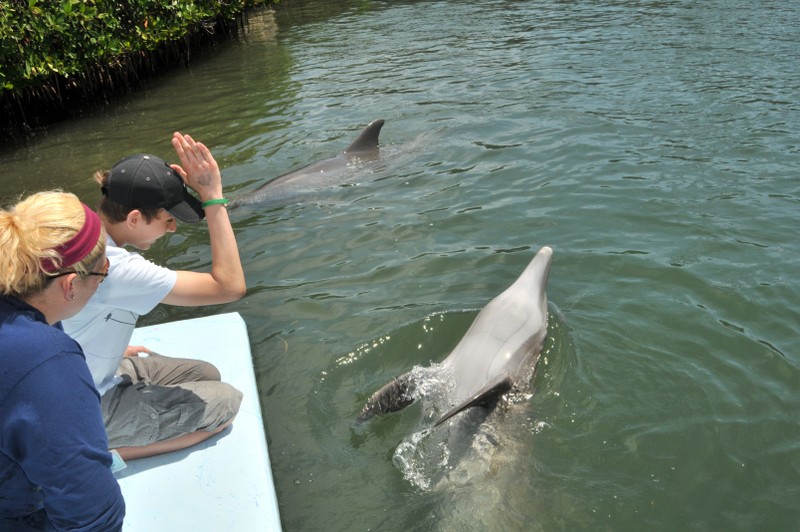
x: 67, y: 283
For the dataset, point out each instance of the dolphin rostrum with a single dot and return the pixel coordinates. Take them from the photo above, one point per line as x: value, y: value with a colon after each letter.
x: 497, y: 354
x: 318, y: 174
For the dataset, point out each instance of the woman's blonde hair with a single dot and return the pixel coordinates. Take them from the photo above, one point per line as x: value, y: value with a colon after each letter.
x: 29, y: 233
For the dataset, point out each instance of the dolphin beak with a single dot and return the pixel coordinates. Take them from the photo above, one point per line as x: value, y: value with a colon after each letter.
x: 539, y: 268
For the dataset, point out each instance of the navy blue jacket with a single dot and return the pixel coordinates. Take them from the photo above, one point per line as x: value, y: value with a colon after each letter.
x: 54, y: 456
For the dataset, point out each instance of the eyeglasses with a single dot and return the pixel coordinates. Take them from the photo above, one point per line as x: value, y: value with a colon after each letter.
x: 102, y: 274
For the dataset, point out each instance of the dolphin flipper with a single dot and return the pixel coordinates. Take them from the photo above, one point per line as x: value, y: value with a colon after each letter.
x: 367, y: 141
x: 392, y: 397
x: 490, y: 392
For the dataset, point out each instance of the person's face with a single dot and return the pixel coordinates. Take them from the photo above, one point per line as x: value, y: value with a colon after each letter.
x: 148, y: 232
x: 84, y: 287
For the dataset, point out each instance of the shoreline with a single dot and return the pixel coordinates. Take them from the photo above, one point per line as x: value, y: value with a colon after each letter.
x: 45, y: 100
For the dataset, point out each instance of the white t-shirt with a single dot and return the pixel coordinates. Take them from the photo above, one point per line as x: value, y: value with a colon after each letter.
x: 103, y: 327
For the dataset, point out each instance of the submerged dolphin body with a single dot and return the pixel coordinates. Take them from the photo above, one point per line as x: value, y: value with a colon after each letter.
x: 319, y: 174
x: 497, y: 354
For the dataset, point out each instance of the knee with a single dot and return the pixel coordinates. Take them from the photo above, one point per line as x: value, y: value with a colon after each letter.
x: 209, y: 372
x: 235, y: 399
x: 225, y: 405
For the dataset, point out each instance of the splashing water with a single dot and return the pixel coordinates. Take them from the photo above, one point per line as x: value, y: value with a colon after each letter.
x: 455, y: 454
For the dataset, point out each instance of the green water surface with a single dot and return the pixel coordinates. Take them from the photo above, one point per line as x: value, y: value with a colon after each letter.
x: 654, y: 145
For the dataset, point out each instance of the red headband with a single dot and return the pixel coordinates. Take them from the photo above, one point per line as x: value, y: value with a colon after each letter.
x: 79, y: 246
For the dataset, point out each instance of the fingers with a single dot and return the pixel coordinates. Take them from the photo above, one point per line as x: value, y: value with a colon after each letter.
x: 191, y: 152
x: 135, y: 350
x: 198, y: 168
x: 184, y: 147
x: 204, y: 151
x: 181, y: 172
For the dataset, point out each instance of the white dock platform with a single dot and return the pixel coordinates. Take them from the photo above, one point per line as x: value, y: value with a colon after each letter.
x: 224, y: 483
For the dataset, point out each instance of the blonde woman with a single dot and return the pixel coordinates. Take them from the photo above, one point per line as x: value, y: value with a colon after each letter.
x: 54, y: 459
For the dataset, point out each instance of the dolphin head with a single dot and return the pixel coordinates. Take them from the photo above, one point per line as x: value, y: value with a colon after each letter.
x: 506, y: 337
x: 498, y: 352
x: 532, y: 285
x: 528, y: 297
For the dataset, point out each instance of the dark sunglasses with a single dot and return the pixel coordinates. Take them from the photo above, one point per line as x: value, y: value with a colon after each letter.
x: 103, y: 274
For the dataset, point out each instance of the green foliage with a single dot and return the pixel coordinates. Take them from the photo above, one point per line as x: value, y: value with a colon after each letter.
x: 40, y: 39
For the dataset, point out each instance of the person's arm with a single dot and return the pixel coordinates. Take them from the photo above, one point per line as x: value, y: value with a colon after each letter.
x: 226, y: 281
x: 63, y: 447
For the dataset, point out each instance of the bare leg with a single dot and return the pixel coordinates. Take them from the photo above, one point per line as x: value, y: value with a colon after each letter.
x: 167, y: 446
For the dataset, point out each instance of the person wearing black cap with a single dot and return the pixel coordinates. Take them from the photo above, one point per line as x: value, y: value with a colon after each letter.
x: 151, y: 403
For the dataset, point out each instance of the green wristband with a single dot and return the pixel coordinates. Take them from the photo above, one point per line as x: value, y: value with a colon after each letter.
x: 218, y: 201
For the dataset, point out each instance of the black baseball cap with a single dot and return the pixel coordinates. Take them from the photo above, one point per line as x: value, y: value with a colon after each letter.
x: 147, y: 181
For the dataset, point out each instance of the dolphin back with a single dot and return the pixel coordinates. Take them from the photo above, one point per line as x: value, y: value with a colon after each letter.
x: 318, y: 174
x: 367, y: 141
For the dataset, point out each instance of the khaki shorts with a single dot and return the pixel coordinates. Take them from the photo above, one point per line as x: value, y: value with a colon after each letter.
x: 161, y: 398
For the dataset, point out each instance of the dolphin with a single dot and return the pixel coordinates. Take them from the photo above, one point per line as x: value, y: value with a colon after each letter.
x: 318, y: 174
x: 497, y: 354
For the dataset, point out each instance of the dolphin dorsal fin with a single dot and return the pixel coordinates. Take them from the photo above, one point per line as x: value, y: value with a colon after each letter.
x: 392, y: 397
x: 490, y: 392
x: 368, y: 139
